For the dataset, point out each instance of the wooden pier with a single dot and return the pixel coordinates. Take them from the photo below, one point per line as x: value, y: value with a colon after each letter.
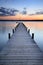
x: 21, y: 49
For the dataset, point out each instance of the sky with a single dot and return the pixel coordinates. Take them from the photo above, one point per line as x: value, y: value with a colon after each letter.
x: 20, y: 4
x: 33, y: 7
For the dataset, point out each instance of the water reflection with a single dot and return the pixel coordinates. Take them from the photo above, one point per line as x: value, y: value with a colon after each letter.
x: 4, y: 36
x: 5, y: 28
x: 38, y: 37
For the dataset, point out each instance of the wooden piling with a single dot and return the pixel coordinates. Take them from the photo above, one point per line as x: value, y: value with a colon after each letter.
x: 13, y: 30
x: 9, y: 36
x: 32, y: 35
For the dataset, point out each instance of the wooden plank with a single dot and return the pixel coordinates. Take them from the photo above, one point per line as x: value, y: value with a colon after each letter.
x: 21, y: 49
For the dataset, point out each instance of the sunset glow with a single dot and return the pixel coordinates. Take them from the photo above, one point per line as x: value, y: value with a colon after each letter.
x: 22, y: 17
x: 21, y: 9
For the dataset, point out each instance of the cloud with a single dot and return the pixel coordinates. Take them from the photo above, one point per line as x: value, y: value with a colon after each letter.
x: 24, y: 12
x: 5, y: 11
x: 32, y: 14
x: 40, y: 12
x: 37, y: 13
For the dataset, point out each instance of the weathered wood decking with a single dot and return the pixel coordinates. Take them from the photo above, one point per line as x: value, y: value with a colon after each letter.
x: 21, y: 49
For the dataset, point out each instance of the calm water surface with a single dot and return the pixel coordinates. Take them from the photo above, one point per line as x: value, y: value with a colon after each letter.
x: 38, y: 37
x: 6, y: 28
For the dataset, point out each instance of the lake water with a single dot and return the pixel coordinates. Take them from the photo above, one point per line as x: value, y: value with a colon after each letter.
x: 5, y: 28
x: 35, y: 27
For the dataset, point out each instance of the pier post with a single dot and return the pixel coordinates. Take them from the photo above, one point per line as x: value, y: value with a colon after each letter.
x: 9, y: 36
x: 32, y: 35
x: 13, y: 30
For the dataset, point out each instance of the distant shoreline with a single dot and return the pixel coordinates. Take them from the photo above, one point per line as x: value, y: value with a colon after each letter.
x: 23, y: 20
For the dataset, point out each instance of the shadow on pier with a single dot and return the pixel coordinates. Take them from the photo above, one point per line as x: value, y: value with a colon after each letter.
x: 21, y: 49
